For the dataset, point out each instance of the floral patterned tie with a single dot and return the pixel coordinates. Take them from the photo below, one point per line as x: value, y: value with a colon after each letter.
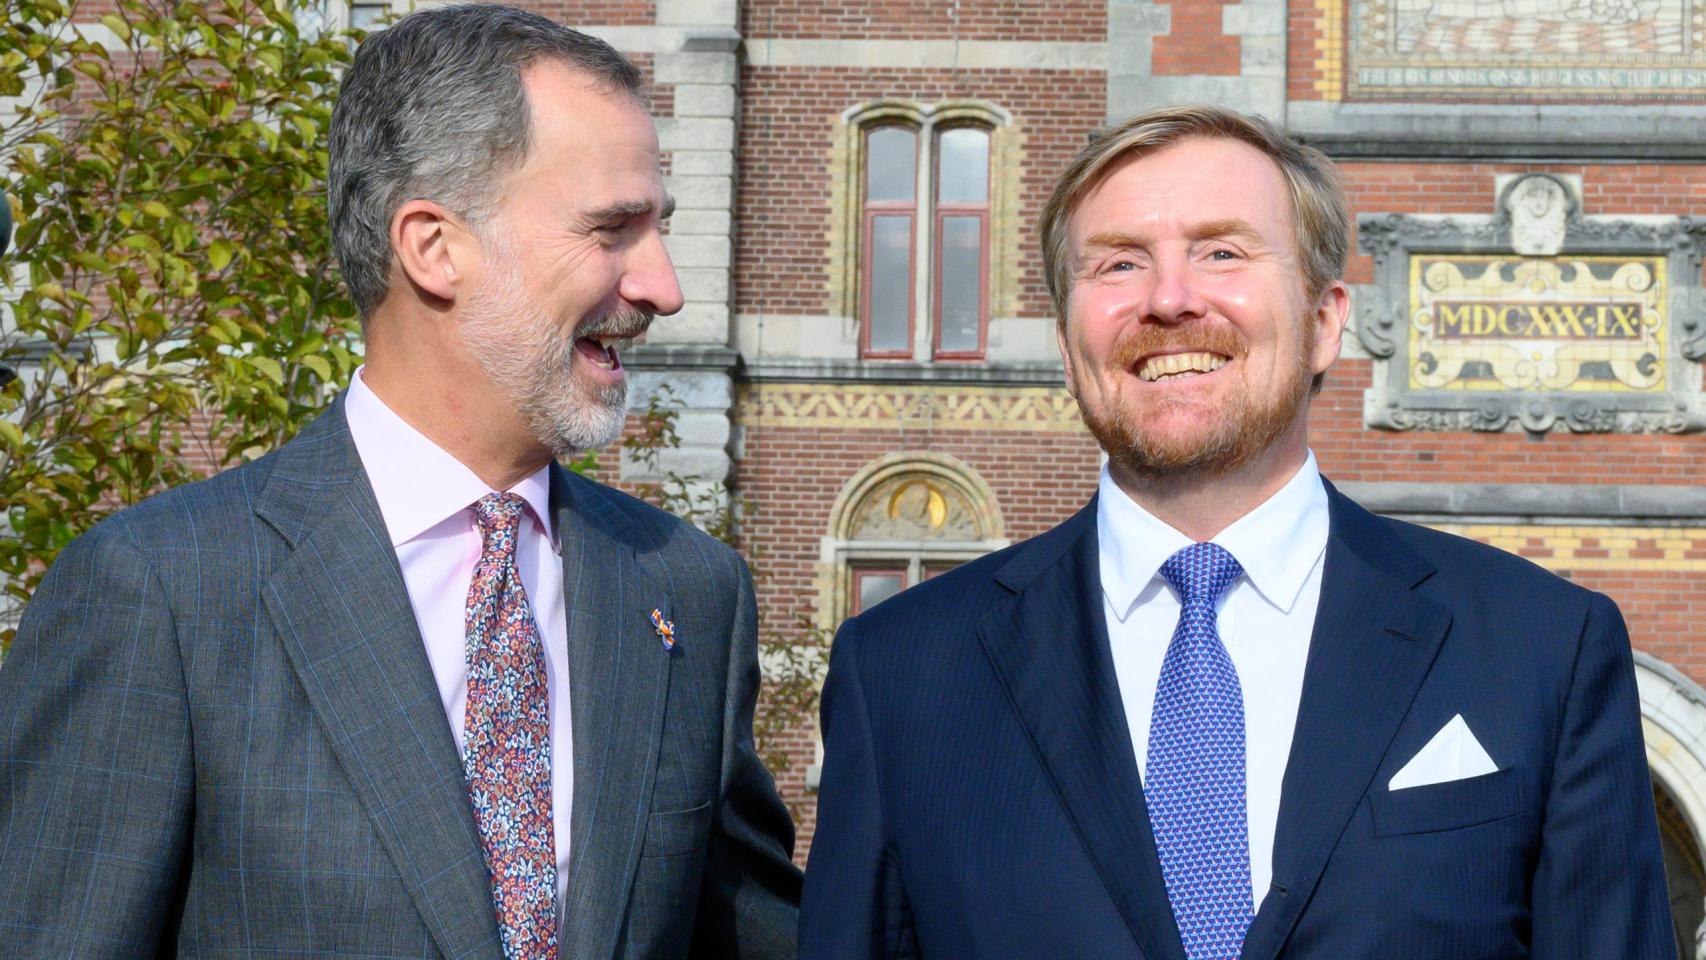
x: 1194, y: 784
x: 507, y: 756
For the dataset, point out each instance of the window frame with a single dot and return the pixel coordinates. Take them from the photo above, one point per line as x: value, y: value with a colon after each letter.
x: 873, y: 568
x: 870, y: 210
x: 982, y: 351
x: 941, y: 210
x: 928, y: 214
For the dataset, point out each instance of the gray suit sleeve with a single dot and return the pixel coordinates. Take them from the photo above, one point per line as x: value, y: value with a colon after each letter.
x: 96, y: 773
x: 749, y: 904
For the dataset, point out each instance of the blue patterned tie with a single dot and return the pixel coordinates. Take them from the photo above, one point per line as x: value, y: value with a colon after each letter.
x: 1194, y: 785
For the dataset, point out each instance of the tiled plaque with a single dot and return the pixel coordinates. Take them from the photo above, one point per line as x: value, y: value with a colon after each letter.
x: 1595, y: 327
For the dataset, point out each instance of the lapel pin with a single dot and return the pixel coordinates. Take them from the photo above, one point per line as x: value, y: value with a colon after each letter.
x: 665, y: 629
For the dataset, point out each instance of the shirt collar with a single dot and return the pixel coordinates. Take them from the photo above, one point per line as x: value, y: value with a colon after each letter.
x: 418, y: 483
x: 1278, y: 544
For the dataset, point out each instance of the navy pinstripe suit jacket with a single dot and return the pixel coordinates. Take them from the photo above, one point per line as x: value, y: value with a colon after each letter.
x: 220, y: 737
x: 980, y: 796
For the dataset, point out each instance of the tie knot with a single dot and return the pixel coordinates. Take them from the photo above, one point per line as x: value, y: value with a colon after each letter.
x: 499, y: 512
x: 1201, y: 572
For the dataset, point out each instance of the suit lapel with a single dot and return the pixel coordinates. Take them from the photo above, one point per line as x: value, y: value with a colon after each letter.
x: 1052, y: 654
x: 1374, y: 641
x: 618, y: 682
x: 340, y: 605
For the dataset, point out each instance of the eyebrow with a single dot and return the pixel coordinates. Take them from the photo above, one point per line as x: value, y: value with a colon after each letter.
x: 628, y: 209
x: 1224, y: 227
x: 1111, y: 238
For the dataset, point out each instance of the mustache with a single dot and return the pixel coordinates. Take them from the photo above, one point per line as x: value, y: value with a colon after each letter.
x: 1142, y: 340
x: 621, y: 322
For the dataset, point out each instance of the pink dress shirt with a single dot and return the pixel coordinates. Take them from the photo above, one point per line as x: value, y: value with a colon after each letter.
x: 426, y: 496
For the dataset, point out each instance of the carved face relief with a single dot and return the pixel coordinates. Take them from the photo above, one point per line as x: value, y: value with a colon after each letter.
x: 1538, y: 208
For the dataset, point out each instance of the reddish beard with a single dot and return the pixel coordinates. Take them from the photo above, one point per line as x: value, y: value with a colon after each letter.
x: 1233, y: 433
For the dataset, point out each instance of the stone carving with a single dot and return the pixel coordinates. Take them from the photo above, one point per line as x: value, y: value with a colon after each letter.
x: 1537, y: 206
x: 912, y: 507
x: 1535, y: 318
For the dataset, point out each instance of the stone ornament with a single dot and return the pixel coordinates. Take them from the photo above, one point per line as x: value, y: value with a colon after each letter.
x: 1535, y: 318
x: 1538, y: 206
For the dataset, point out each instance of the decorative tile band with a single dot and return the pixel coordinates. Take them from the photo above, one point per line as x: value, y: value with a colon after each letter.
x: 1595, y: 548
x: 889, y: 407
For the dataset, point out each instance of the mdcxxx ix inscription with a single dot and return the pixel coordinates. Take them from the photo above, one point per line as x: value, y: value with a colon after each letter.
x: 1534, y: 318
x: 1513, y: 323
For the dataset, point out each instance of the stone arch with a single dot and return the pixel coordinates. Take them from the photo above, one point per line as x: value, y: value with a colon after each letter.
x: 924, y: 506
x: 951, y: 478
x: 1673, y: 725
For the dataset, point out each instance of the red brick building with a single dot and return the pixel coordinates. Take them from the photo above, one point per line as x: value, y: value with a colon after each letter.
x: 867, y: 356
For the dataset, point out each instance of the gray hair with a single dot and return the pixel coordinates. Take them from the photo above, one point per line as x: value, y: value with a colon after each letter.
x: 433, y: 107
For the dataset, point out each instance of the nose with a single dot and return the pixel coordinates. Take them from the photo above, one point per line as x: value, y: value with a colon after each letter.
x: 1174, y: 295
x: 649, y: 280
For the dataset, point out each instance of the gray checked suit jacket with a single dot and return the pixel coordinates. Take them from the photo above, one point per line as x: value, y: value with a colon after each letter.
x: 220, y: 737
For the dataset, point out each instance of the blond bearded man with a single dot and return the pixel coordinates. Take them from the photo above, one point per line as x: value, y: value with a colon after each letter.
x: 1223, y: 712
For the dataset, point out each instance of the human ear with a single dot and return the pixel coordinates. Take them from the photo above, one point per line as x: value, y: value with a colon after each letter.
x: 430, y: 247
x: 1332, y: 312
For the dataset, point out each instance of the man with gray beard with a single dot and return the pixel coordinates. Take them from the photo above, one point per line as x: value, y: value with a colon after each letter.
x: 406, y: 687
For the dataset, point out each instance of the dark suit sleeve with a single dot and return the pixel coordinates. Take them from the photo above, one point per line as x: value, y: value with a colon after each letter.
x: 1599, y: 886
x: 95, y: 765
x: 749, y: 905
x: 854, y: 905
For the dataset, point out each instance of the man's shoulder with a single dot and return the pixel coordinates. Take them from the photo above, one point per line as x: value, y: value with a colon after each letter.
x: 202, y: 513
x: 962, y: 598
x: 1460, y: 568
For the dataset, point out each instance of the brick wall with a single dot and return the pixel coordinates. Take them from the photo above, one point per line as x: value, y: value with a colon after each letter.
x: 793, y: 475
x: 1073, y: 20
x: 611, y: 13
x: 788, y: 120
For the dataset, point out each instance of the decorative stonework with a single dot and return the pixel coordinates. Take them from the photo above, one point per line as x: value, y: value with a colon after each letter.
x: 1603, y: 334
x: 890, y: 407
x: 1599, y: 548
x: 1330, y: 49
x: 915, y: 496
x: 1532, y: 49
x: 1673, y: 725
x: 917, y: 507
x: 914, y: 508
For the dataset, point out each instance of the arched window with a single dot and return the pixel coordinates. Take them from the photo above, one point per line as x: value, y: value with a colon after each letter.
x: 902, y: 520
x: 925, y: 196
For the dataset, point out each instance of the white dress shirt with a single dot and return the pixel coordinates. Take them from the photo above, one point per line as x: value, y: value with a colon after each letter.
x: 426, y: 497
x: 1265, y: 620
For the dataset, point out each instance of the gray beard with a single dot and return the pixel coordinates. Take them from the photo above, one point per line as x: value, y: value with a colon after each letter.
x: 521, y: 351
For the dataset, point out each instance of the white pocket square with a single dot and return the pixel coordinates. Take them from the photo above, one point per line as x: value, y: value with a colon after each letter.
x: 1453, y: 754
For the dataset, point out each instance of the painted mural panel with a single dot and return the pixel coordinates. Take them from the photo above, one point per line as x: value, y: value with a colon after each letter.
x: 1532, y: 49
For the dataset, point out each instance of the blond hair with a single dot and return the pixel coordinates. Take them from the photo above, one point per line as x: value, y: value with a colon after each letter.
x: 1320, y: 213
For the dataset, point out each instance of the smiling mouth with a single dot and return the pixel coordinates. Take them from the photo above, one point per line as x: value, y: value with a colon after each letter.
x: 1178, y: 366
x: 601, y: 351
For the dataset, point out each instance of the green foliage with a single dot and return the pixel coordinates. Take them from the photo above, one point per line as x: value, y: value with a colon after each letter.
x: 172, y: 292
x: 175, y: 303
